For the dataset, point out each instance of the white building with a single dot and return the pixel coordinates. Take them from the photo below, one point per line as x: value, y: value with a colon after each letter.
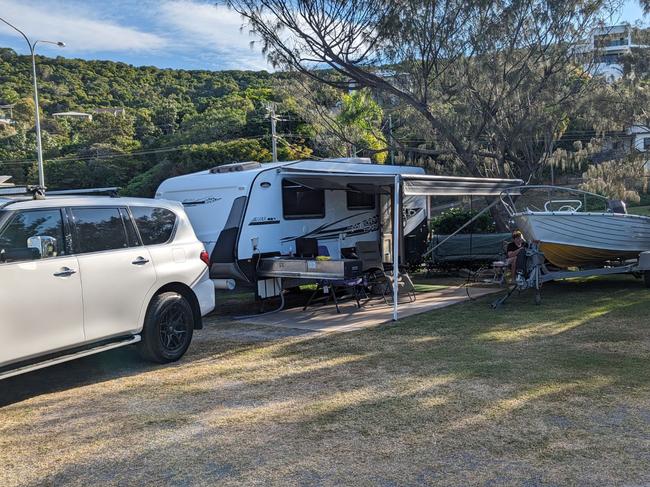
x: 640, y: 137
x: 605, y: 50
x: 78, y: 115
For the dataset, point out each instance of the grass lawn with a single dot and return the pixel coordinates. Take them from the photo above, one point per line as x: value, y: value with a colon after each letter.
x: 556, y: 394
x: 639, y: 210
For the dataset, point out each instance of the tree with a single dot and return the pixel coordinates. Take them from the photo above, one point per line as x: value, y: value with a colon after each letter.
x: 24, y: 111
x: 645, y: 4
x: 360, y: 117
x: 224, y: 119
x: 196, y: 158
x: 621, y: 179
x: 107, y: 128
x: 492, y: 80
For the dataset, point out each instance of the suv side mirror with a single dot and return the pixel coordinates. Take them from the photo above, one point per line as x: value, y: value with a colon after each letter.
x: 44, y: 245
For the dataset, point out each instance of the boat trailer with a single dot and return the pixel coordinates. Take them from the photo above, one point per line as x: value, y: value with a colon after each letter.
x: 532, y: 273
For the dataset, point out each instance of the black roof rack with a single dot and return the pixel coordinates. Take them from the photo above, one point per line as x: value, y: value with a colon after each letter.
x: 113, y: 192
x: 38, y: 192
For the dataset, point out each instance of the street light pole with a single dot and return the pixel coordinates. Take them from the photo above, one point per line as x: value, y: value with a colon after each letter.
x: 39, y: 145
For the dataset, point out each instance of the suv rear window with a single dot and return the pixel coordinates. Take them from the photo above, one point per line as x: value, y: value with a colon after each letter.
x: 156, y: 225
x: 99, y: 229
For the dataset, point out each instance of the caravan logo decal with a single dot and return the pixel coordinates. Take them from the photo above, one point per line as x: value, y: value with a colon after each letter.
x: 264, y: 220
x: 332, y: 230
x: 204, y: 201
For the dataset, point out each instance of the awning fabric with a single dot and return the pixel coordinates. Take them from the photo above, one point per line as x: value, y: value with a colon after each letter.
x: 412, y: 184
x: 425, y: 185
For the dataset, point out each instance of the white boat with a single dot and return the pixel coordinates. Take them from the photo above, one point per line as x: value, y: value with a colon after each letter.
x: 576, y: 228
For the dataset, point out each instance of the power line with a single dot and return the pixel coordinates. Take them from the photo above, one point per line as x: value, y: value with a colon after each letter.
x: 130, y: 154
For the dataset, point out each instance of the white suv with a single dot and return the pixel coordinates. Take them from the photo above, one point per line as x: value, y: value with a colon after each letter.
x: 80, y: 275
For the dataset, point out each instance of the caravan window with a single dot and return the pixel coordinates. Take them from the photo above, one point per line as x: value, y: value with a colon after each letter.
x: 300, y: 202
x: 360, y: 201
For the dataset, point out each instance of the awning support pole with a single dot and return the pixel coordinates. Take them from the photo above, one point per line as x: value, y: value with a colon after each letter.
x: 396, y: 233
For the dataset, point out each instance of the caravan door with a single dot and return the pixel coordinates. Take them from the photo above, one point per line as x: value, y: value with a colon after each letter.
x: 386, y: 216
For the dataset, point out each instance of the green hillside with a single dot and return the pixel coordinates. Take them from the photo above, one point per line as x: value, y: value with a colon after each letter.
x: 175, y: 121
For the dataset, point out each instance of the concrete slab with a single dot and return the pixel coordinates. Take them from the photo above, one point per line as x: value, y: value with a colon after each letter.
x: 325, y: 318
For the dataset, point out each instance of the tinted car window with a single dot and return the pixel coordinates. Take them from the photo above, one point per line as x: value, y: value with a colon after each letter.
x: 32, y: 235
x: 99, y: 229
x: 156, y: 225
x: 301, y: 202
x: 131, y: 234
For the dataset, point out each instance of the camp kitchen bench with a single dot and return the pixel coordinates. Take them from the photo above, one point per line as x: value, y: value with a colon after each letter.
x: 326, y: 273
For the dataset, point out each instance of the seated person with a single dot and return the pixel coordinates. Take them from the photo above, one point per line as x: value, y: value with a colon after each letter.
x: 513, y: 250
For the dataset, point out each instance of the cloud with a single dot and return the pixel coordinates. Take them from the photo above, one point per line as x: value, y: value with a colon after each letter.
x: 81, y: 29
x: 213, y: 32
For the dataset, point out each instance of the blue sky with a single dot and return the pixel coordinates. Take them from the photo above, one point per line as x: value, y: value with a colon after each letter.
x: 189, y: 34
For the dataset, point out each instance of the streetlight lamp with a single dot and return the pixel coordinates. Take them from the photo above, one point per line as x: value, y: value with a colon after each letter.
x: 39, y: 146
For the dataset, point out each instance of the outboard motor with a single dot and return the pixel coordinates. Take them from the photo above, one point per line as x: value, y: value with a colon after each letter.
x: 616, y: 206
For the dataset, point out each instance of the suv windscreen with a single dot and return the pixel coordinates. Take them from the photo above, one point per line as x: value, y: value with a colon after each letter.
x: 99, y: 229
x: 31, y: 235
x: 156, y: 225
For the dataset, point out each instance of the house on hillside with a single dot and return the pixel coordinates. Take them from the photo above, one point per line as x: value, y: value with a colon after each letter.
x: 6, y: 114
x: 77, y: 115
x: 113, y: 111
x: 634, y: 139
x: 603, y: 54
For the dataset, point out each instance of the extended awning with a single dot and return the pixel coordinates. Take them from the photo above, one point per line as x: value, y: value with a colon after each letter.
x: 412, y: 184
x: 425, y: 185
x: 404, y: 184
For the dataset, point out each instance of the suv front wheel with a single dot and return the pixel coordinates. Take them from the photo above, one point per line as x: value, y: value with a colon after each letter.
x: 168, y: 328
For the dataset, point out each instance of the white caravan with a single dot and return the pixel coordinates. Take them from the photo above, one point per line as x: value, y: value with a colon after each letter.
x: 247, y: 210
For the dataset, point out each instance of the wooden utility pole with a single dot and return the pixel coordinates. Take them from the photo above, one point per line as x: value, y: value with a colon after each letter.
x: 390, y: 139
x: 274, y: 137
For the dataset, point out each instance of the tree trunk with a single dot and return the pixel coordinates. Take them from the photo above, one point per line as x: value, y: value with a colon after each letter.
x: 500, y: 217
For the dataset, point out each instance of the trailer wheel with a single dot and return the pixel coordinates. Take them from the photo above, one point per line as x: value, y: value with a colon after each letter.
x: 646, y: 278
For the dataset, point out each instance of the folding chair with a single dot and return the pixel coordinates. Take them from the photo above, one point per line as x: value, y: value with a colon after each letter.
x: 372, y: 264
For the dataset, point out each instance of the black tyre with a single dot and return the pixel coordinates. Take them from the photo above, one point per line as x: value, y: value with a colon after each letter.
x: 646, y: 278
x: 168, y: 328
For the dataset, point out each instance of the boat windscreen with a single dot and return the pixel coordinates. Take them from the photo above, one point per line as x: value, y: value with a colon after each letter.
x: 3, y: 216
x: 556, y: 199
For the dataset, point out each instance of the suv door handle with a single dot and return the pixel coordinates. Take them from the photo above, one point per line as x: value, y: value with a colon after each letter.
x: 140, y: 261
x: 65, y: 272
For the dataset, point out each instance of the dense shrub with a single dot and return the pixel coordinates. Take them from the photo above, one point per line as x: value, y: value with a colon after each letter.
x: 451, y: 220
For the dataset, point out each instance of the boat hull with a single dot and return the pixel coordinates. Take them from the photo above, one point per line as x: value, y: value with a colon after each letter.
x: 579, y: 239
